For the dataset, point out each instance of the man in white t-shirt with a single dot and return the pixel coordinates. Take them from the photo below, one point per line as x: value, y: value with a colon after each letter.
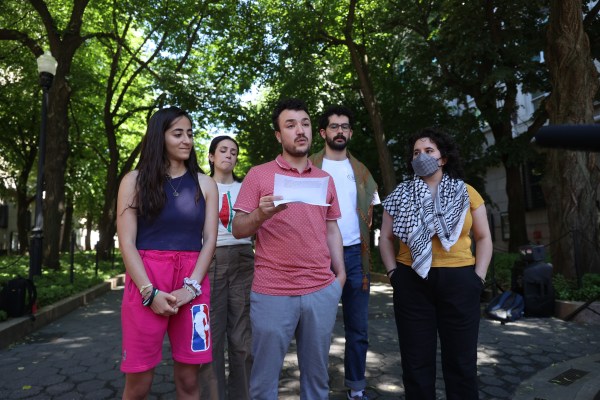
x: 357, y: 193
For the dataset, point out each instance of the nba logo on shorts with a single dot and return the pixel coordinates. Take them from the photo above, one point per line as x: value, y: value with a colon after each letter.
x: 200, y: 328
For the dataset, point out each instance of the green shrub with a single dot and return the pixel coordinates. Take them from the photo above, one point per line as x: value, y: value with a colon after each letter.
x: 566, y: 289
x: 502, y: 263
x: 562, y: 287
x: 55, y: 285
x: 501, y: 268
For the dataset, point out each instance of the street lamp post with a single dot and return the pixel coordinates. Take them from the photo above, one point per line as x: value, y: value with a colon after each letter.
x: 47, y: 69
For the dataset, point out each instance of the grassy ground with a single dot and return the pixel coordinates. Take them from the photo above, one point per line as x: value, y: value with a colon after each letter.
x: 55, y: 285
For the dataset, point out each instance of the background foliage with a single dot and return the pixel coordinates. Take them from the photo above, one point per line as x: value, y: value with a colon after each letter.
x: 401, y: 65
x: 53, y: 286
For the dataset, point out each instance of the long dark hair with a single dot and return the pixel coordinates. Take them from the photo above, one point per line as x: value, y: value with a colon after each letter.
x: 213, y: 147
x: 447, y: 147
x: 154, y: 163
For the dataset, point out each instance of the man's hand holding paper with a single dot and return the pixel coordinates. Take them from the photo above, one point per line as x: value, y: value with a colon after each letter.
x: 269, y: 206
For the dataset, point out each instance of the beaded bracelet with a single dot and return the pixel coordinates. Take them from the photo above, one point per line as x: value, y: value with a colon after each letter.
x: 193, y: 284
x: 143, y: 288
x: 192, y: 292
x: 147, y: 302
x: 388, y: 273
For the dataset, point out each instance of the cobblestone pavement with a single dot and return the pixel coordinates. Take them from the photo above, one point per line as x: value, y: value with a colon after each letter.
x: 77, y: 357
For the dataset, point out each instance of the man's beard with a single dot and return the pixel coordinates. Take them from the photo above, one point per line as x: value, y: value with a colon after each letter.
x: 294, y: 152
x: 333, y: 145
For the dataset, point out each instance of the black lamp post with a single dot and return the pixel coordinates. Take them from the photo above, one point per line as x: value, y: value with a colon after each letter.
x: 47, y: 69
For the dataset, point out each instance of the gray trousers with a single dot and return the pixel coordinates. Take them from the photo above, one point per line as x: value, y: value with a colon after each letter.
x: 230, y: 275
x: 275, y: 321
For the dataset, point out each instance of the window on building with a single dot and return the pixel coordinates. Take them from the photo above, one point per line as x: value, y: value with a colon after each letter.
x: 532, y: 179
x: 536, y: 99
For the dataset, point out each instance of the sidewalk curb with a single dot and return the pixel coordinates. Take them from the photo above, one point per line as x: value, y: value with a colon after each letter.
x: 15, y: 329
x: 579, y: 381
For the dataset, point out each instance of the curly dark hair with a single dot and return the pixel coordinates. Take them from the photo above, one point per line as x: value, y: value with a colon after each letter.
x: 447, y: 147
x: 213, y: 147
x: 287, y: 104
x: 335, y: 110
x: 154, y: 164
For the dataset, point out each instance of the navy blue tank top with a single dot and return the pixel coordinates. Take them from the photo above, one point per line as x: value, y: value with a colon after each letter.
x: 180, y: 224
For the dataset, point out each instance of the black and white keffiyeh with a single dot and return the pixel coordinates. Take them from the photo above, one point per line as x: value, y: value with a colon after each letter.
x: 418, y: 216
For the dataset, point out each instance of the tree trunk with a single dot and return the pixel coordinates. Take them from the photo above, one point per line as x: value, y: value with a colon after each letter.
x: 65, y: 243
x: 57, y: 148
x: 107, y: 225
x: 22, y: 221
x: 23, y: 202
x: 500, y: 123
x: 572, y: 178
x: 359, y: 60
x: 370, y: 100
x: 517, y: 220
x: 88, y: 231
x: 57, y: 151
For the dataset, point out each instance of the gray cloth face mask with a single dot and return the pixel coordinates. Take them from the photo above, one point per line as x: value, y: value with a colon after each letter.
x: 424, y: 165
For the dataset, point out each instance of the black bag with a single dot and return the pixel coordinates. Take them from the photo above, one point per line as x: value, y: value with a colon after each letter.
x: 534, y: 282
x: 538, y: 291
x: 506, y: 307
x: 18, y: 297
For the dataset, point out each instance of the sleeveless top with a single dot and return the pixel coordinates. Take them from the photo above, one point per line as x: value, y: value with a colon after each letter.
x: 180, y: 224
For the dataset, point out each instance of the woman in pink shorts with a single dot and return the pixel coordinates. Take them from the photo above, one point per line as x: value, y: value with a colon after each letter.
x: 167, y: 213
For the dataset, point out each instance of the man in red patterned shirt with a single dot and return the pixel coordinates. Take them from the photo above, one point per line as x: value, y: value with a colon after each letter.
x: 299, y: 262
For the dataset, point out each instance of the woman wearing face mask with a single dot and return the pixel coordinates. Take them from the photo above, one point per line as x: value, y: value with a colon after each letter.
x: 437, y: 279
x: 230, y: 276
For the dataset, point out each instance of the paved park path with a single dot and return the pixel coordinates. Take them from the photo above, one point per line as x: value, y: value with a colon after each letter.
x: 77, y: 357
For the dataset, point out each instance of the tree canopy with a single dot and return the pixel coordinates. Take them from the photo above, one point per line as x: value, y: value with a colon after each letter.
x: 400, y: 65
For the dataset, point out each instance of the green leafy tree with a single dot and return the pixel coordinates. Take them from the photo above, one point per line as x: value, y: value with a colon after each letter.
x: 117, y: 62
x: 19, y: 124
x: 355, y: 36
x: 316, y: 43
x: 63, y: 35
x: 172, y: 57
x: 484, y: 52
x: 311, y: 47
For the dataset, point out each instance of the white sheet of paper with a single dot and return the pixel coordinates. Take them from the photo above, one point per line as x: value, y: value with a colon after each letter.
x: 305, y: 190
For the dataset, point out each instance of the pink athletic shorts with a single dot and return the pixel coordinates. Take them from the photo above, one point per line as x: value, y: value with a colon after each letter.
x: 144, y: 331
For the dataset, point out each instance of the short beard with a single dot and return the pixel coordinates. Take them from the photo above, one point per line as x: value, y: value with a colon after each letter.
x: 331, y: 143
x: 292, y: 151
x: 297, y: 153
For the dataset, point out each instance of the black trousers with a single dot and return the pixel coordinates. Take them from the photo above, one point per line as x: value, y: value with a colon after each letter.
x: 444, y: 304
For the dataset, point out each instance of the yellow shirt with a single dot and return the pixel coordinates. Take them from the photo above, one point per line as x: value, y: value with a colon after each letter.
x: 460, y: 255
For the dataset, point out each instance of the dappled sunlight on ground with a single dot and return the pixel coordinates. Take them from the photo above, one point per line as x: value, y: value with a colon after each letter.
x: 82, y: 350
x: 107, y: 312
